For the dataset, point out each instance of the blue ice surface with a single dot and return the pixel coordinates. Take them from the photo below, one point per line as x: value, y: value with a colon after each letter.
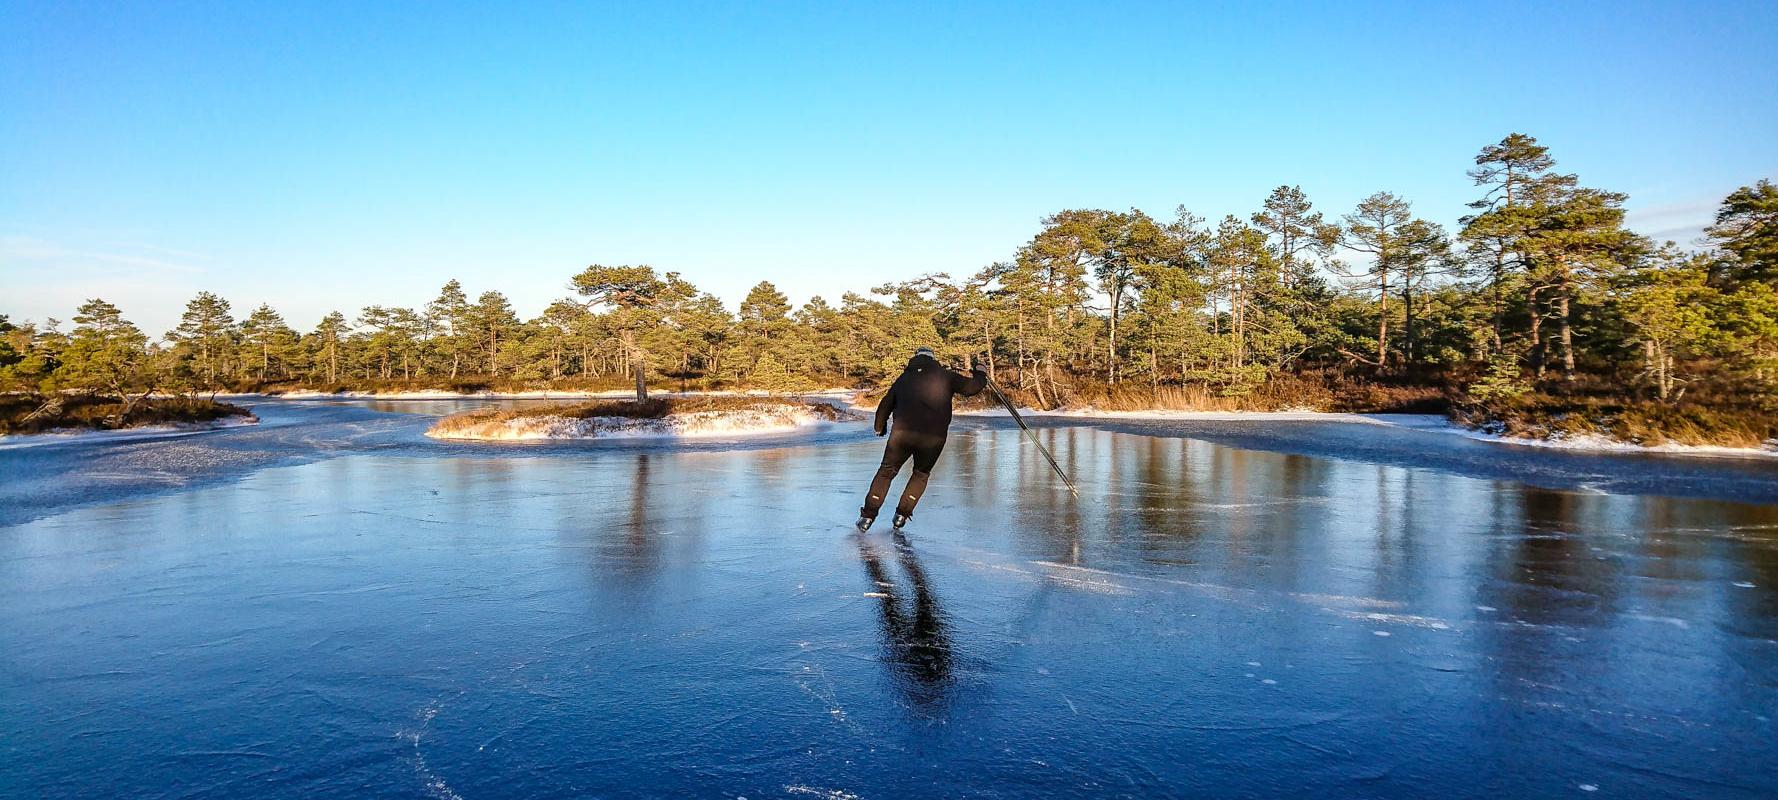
x: 330, y: 604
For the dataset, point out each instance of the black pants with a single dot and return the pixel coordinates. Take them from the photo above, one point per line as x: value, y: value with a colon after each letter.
x: 924, y: 449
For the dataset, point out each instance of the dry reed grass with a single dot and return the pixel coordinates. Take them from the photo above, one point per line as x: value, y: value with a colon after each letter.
x: 653, y: 408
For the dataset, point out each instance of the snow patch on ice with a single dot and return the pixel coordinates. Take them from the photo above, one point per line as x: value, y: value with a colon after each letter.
x: 434, y: 784
x: 1415, y: 620
x: 825, y: 794
x: 1085, y: 578
x: 1674, y: 621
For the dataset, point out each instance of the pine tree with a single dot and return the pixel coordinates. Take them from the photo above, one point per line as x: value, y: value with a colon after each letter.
x: 449, y: 314
x: 1297, y: 232
x: 1748, y: 318
x: 556, y: 330
x: 206, y: 332
x: 636, y: 300
x: 1424, y: 252
x: 1130, y: 244
x: 492, y: 324
x: 1375, y: 229
x: 105, y: 352
x: 266, y: 336
x: 770, y: 374
x: 1746, y: 235
x: 381, y: 340
x: 818, y: 347
x: 1048, y: 289
x: 37, y: 354
x: 764, y: 323
x: 1579, y: 240
x: 10, y: 352
x: 328, y: 337
x: 1746, y: 230
x: 707, y: 331
x: 1517, y: 174
x: 1669, y: 305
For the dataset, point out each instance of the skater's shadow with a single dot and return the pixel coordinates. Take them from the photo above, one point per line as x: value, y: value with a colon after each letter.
x: 916, y: 645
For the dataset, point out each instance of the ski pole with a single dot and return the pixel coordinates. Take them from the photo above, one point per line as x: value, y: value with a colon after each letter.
x: 998, y: 395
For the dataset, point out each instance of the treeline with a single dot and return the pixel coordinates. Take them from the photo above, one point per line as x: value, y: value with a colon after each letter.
x: 1541, y: 288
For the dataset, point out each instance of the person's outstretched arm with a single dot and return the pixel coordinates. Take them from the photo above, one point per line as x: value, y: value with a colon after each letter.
x: 970, y: 386
x: 885, y: 407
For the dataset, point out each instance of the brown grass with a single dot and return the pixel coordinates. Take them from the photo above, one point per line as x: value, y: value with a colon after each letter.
x: 1542, y: 416
x: 93, y: 412
x: 1282, y: 393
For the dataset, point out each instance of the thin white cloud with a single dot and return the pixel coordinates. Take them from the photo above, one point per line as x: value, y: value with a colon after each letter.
x: 1679, y: 222
x: 32, y: 252
x: 155, y: 248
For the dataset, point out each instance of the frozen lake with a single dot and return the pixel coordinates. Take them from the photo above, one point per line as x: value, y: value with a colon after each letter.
x: 330, y: 604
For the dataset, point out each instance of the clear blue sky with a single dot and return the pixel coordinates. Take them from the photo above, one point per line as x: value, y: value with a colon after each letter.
x: 321, y: 156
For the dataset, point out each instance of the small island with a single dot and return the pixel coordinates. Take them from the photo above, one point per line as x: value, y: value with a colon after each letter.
x: 681, y: 417
x: 23, y: 413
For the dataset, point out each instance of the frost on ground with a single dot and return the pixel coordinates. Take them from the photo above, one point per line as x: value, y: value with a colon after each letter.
x: 672, y: 417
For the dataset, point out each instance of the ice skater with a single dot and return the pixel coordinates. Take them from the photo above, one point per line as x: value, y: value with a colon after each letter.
x: 920, y: 402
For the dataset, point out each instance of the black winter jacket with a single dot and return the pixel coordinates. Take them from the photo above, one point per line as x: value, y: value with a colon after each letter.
x: 920, y: 399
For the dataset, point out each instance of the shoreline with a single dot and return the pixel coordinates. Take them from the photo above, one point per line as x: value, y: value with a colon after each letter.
x: 843, y: 399
x: 10, y: 441
x: 537, y: 394
x: 1431, y: 423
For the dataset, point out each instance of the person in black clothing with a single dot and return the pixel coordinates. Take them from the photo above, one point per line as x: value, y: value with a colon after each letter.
x: 920, y: 402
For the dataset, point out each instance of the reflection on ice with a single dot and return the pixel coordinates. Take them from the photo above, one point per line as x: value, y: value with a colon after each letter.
x: 915, y: 644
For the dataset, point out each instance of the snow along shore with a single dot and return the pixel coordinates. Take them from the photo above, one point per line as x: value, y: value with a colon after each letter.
x: 728, y: 423
x: 1433, y: 423
x: 71, y: 435
x: 842, y: 398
